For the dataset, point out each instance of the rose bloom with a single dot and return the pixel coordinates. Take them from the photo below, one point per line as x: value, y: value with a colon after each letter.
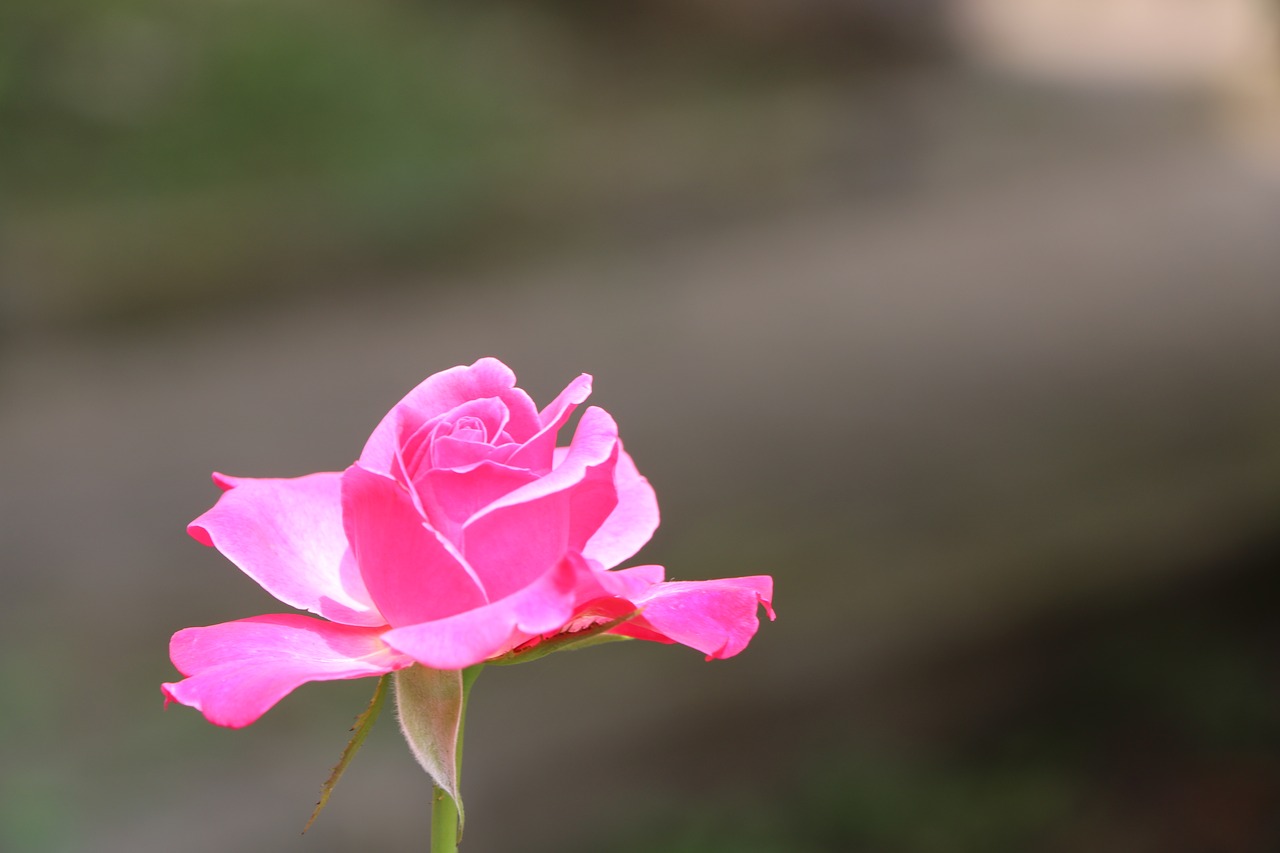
x: 461, y: 534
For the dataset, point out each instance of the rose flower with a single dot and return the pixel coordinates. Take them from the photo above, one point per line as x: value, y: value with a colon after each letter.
x: 461, y: 535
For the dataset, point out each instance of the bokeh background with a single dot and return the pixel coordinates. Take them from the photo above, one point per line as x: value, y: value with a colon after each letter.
x: 959, y: 317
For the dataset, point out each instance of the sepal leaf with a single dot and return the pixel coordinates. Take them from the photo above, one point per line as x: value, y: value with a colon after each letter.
x: 430, y: 704
x: 361, y: 728
x: 593, y: 636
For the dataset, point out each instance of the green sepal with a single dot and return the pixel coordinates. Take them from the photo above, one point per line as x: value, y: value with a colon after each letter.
x: 593, y: 636
x: 361, y: 728
x: 431, y: 704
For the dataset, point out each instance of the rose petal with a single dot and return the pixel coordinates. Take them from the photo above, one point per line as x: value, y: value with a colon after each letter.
x: 444, y: 392
x: 521, y: 534
x: 423, y: 448
x: 593, y: 444
x: 558, y: 410
x: 450, y: 498
x: 536, y: 453
x: 631, y: 584
x: 592, y: 501
x: 631, y: 524
x: 238, y: 670
x: 458, y: 454
x: 287, y: 535
x: 463, y: 640
x: 602, y: 596
x: 716, y: 617
x: 508, y: 549
x: 411, y: 571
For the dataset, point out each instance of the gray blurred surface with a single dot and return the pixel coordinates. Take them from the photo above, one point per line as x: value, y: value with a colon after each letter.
x: 929, y: 413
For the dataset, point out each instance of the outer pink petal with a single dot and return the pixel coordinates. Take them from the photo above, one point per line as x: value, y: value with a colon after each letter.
x: 238, y: 670
x: 443, y: 392
x: 411, y: 571
x: 522, y: 534
x: 717, y: 617
x: 601, y: 596
x: 594, y: 443
x: 536, y: 453
x: 559, y: 409
x: 592, y: 501
x: 510, y: 548
x: 632, y: 583
x: 633, y: 520
x: 544, y: 606
x: 287, y: 535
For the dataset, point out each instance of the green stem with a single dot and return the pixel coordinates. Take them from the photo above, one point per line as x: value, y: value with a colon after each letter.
x: 469, y: 676
x: 446, y: 831
x: 444, y: 822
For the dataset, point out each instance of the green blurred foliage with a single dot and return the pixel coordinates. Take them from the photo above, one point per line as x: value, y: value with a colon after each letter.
x: 881, y: 804
x: 143, y: 97
x: 158, y: 156
x: 162, y: 154
x: 1151, y: 725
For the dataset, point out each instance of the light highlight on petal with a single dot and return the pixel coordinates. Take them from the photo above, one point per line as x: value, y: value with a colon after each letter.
x: 633, y: 520
x: 443, y: 392
x: 411, y: 571
x: 236, y: 671
x: 287, y: 535
x: 716, y: 617
x: 460, y: 641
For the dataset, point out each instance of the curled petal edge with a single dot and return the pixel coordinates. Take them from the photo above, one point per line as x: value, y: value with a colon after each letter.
x: 237, y: 671
x: 466, y: 639
x: 715, y: 617
x: 287, y: 535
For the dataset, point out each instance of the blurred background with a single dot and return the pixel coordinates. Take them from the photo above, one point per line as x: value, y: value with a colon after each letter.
x: 959, y: 317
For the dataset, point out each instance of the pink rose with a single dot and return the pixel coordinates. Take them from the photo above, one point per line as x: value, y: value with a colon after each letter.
x: 460, y: 535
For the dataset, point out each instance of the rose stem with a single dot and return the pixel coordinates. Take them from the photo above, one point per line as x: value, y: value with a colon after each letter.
x: 444, y: 822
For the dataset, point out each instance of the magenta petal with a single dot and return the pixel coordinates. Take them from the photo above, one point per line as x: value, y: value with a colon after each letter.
x: 632, y: 583
x: 444, y: 392
x: 593, y: 444
x: 509, y: 548
x: 520, y: 535
x: 287, y: 535
x: 454, y: 453
x: 717, y: 617
x: 559, y: 409
x: 633, y: 520
x: 460, y: 641
x: 450, y: 498
x: 592, y: 500
x: 417, y: 442
x: 238, y: 670
x: 536, y: 453
x: 411, y: 571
